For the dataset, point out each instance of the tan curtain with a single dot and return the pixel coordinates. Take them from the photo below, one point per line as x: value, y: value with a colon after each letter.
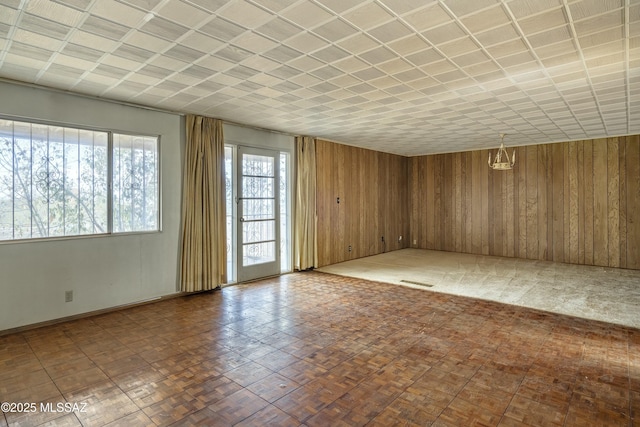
x: 305, y: 243
x: 204, y: 236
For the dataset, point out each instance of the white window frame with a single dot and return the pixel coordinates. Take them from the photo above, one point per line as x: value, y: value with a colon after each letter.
x: 110, y: 180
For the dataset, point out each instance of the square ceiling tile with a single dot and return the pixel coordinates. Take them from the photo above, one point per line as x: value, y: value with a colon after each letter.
x: 444, y: 33
x: 544, y: 21
x: 426, y: 18
x: 390, y: 31
x: 114, y: 11
x: 307, y: 15
x: 245, y: 14
x: 486, y: 19
x: 278, y: 29
x: 335, y: 30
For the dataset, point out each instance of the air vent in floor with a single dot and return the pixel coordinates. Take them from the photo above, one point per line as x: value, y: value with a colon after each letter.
x: 411, y: 282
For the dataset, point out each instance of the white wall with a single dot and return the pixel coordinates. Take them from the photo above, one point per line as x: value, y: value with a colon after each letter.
x: 103, y: 271
x: 240, y: 135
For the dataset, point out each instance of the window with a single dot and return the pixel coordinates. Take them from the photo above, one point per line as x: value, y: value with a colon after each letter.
x: 135, y: 183
x: 59, y: 181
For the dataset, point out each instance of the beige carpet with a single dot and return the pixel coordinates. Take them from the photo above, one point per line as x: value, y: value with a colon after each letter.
x: 599, y: 293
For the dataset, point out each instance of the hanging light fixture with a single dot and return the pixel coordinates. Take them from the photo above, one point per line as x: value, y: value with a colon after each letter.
x: 501, y: 161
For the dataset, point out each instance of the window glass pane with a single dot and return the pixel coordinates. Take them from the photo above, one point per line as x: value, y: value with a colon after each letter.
x: 284, y: 213
x: 228, y: 172
x: 53, y: 181
x: 135, y: 183
x: 6, y: 180
x: 23, y: 185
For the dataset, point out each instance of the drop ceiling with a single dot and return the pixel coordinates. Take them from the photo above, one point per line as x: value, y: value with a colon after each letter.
x: 409, y: 77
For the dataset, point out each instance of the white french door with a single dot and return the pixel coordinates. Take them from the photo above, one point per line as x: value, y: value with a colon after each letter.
x: 258, y: 213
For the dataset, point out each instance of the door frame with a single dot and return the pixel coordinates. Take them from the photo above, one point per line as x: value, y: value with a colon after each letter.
x: 265, y: 269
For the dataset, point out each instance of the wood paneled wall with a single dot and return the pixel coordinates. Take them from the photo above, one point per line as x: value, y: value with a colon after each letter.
x: 575, y: 202
x: 374, y: 200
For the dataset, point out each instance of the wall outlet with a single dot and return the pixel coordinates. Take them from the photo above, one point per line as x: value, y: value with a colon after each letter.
x: 68, y: 296
x: 415, y: 242
x: 349, y: 248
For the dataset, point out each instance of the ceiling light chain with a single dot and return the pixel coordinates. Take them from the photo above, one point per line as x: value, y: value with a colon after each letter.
x: 500, y: 163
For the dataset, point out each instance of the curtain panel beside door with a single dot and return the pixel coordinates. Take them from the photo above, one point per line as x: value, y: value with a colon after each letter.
x: 305, y: 225
x: 204, y: 241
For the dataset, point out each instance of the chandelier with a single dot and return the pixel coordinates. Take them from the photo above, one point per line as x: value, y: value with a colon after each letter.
x: 501, y: 161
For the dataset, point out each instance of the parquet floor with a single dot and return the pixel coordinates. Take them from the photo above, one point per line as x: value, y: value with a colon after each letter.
x: 313, y: 349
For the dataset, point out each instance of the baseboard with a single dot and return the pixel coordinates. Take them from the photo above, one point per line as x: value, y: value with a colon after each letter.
x: 91, y: 313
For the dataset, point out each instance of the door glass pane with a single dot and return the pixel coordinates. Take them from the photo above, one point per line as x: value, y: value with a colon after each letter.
x: 257, y: 186
x: 258, y: 253
x: 253, y: 209
x: 258, y: 231
x: 257, y: 165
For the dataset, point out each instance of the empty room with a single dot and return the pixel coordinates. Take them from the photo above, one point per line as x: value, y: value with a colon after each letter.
x: 319, y: 212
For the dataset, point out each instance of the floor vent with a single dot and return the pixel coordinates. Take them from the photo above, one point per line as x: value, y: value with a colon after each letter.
x: 411, y: 282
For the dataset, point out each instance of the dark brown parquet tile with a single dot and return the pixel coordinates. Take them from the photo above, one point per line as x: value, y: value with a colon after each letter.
x: 312, y: 349
x: 153, y: 392
x: 11, y: 384
x: 80, y: 379
x: 35, y: 393
x: 534, y: 413
x: 103, y: 403
x: 462, y: 413
x: 410, y: 410
x: 269, y: 417
x: 478, y: 394
x: 277, y: 360
x: 177, y: 361
x: 68, y: 420
x: 203, y: 417
x: 137, y: 378
x: 213, y: 390
x: 302, y: 371
x: 546, y: 390
x: 37, y: 417
x: 273, y: 387
x: 70, y: 367
x: 238, y: 406
x: 248, y: 373
x: 173, y: 408
x: 137, y: 419
x: 585, y: 410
